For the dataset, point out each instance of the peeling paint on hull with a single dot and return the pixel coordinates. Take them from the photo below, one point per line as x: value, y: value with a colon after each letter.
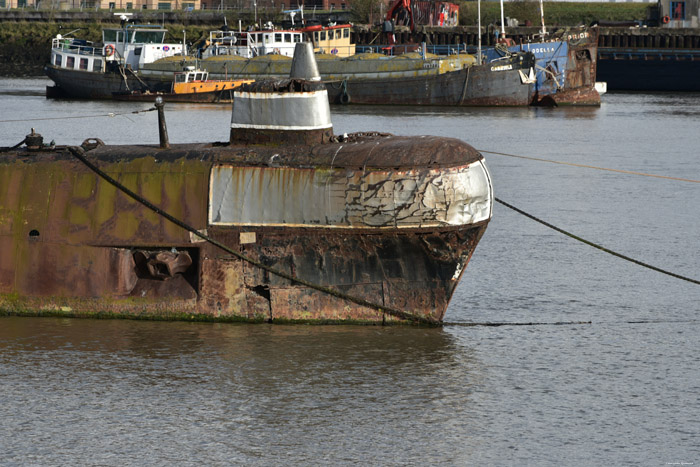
x: 70, y: 243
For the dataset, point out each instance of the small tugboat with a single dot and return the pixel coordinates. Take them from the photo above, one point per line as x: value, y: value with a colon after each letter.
x: 191, y: 85
x: 286, y: 222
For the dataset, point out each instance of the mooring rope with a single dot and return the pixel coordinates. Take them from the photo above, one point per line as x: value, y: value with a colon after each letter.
x: 79, y: 153
x: 506, y: 323
x: 595, y: 245
x: 110, y: 114
x: 628, y: 172
x: 13, y: 147
x: 467, y: 324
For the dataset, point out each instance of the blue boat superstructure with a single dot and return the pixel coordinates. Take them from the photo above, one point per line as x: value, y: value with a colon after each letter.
x: 565, y: 68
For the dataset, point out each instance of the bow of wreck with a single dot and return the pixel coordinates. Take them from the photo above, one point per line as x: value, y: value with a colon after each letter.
x: 285, y: 222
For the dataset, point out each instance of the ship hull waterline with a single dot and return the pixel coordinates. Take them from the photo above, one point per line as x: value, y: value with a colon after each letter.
x: 477, y: 85
x: 93, y: 251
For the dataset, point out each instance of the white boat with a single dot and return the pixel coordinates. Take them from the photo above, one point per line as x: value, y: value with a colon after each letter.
x: 333, y: 39
x: 76, y: 62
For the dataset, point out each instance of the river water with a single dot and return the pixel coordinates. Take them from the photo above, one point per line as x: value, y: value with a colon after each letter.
x: 624, y: 389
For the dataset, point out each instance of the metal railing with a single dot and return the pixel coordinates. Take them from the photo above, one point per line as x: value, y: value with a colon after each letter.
x: 442, y: 50
x: 76, y: 46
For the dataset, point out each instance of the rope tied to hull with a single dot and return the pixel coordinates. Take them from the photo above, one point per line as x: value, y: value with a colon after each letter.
x: 110, y: 114
x: 597, y: 246
x: 572, y: 164
x: 79, y: 153
x: 13, y: 147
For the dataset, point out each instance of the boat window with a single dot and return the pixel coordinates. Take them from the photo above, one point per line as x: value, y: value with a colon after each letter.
x: 120, y: 36
x: 83, y: 63
x: 287, y: 37
x: 137, y: 51
x: 323, y: 35
x: 278, y: 37
x: 198, y: 77
x: 316, y: 36
x: 149, y: 37
x: 297, y: 37
x: 97, y: 65
x: 346, y: 32
x: 57, y: 60
x: 109, y: 35
x: 70, y: 62
x: 180, y: 77
x: 266, y: 38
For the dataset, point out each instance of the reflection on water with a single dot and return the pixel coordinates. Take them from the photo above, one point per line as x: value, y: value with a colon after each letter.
x: 316, y: 390
x: 389, y: 345
x: 135, y: 392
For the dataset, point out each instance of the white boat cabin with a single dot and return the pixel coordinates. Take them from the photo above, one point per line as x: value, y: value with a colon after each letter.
x: 131, y: 47
x: 191, y: 75
x: 251, y: 44
x: 248, y: 44
x: 333, y: 39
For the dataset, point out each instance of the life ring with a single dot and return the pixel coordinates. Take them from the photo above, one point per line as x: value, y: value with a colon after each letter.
x: 665, y: 19
x: 345, y: 98
x: 109, y: 50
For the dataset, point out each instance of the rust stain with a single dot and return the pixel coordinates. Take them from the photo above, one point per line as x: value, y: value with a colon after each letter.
x: 70, y: 240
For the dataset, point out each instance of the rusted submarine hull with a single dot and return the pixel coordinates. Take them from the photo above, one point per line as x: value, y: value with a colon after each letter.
x: 396, y: 230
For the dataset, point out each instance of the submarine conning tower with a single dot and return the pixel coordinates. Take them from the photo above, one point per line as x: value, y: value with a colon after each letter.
x: 290, y: 111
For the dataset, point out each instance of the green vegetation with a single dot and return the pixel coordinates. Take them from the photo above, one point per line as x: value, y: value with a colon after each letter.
x: 555, y: 13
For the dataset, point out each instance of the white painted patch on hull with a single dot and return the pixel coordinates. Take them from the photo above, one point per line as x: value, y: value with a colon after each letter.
x: 340, y: 198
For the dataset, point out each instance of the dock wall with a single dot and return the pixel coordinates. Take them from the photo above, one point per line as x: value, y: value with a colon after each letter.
x: 609, y: 37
